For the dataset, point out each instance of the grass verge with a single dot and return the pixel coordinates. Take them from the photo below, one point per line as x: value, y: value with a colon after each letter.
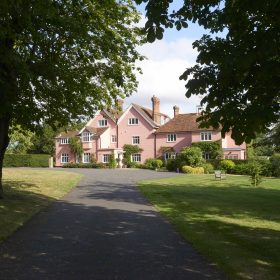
x: 235, y: 225
x: 29, y: 191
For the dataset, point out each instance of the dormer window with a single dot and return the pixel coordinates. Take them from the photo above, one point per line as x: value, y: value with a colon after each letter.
x: 64, y: 141
x: 133, y: 121
x: 102, y: 123
x: 86, y: 136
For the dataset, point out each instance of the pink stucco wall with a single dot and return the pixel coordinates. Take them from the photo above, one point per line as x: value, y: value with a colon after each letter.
x: 228, y: 142
x: 216, y: 135
x: 60, y: 149
x: 183, y: 139
x: 143, y: 129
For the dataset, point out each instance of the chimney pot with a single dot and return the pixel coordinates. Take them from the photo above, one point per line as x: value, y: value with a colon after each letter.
x: 176, y: 110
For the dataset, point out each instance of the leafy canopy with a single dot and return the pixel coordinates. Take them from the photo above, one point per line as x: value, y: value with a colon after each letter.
x: 238, y: 65
x: 63, y: 59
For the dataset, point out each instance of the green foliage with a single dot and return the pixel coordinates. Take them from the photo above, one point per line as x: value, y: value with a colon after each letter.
x: 129, y: 150
x: 191, y: 156
x: 237, y: 68
x: 153, y: 164
x: 171, y: 165
x: 213, y: 148
x: 241, y: 169
x: 254, y: 169
x: 275, y: 165
x: 192, y: 170
x: 27, y: 160
x: 208, y: 168
x: 76, y: 146
x: 112, y: 162
x: 20, y: 140
x: 227, y: 165
x: 85, y: 165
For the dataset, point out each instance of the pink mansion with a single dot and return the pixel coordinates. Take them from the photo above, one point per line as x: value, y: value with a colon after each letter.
x: 154, y: 132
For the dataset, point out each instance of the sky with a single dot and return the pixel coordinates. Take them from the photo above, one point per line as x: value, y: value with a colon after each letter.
x: 166, y: 60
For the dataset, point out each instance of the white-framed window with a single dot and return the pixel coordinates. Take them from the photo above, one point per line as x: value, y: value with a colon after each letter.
x: 64, y: 140
x: 171, y: 137
x: 102, y: 123
x: 206, y: 136
x: 168, y: 156
x: 133, y: 121
x: 64, y: 158
x: 135, y: 140
x: 106, y: 158
x: 113, y: 138
x: 86, y: 137
x: 86, y: 158
x: 231, y: 156
x: 206, y: 155
x: 136, y: 157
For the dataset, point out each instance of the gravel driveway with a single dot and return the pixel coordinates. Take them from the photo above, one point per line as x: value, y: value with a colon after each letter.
x: 103, y: 229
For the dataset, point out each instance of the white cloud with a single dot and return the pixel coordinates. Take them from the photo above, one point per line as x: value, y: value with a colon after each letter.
x: 166, y: 62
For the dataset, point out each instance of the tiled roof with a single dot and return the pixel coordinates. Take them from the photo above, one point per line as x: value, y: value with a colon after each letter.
x: 181, y: 123
x: 96, y: 131
x: 67, y: 134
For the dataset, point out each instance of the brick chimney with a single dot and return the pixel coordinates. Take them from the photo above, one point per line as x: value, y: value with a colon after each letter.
x: 156, y: 111
x: 176, y: 110
x: 120, y: 104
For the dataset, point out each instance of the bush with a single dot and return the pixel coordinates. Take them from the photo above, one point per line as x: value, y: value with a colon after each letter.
x: 152, y: 163
x: 275, y: 165
x: 208, y: 168
x: 241, y: 169
x: 254, y: 169
x: 85, y: 165
x: 227, y: 165
x: 26, y: 160
x: 192, y: 170
x: 112, y: 162
x: 191, y: 156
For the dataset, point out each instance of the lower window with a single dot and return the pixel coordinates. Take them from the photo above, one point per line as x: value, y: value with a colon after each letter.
x: 206, y: 155
x: 169, y: 156
x: 64, y: 158
x: 231, y: 156
x: 136, y: 158
x: 86, y: 158
x: 106, y: 158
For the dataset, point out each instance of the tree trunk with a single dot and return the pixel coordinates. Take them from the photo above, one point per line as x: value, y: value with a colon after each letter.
x: 4, y: 141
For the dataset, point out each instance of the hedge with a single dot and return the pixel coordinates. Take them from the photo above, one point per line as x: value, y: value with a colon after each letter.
x: 28, y: 160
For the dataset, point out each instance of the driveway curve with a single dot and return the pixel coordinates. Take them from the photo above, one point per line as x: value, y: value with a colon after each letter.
x: 103, y: 229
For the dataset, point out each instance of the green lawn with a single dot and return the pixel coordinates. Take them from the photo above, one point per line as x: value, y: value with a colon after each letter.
x: 234, y: 224
x: 29, y: 191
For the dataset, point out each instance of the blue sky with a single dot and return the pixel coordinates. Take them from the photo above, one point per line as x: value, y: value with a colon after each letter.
x: 167, y: 60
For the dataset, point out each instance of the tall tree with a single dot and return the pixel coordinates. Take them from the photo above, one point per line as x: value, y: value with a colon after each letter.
x: 238, y: 65
x: 60, y: 59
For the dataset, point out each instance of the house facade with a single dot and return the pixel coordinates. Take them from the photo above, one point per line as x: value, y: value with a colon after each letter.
x: 154, y: 132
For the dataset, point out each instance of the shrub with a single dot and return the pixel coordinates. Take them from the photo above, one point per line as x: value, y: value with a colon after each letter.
x: 26, y: 160
x: 275, y: 165
x: 254, y: 169
x: 171, y: 165
x: 241, y: 169
x: 112, y: 162
x: 214, y: 148
x: 227, y: 165
x: 85, y: 165
x: 208, y: 168
x: 192, y: 170
x: 191, y: 156
x: 152, y: 163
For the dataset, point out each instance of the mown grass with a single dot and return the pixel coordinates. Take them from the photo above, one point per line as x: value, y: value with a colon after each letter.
x: 26, y: 192
x: 235, y: 225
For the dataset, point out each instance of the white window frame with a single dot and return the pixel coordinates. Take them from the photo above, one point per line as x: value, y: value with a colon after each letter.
x: 171, y: 137
x: 136, y: 157
x: 106, y: 158
x: 206, y: 136
x: 103, y: 123
x: 86, y: 157
x: 86, y: 137
x: 169, y: 155
x: 64, y: 158
x: 114, y: 139
x: 231, y: 156
x: 64, y: 141
x: 133, y: 121
x: 135, y: 140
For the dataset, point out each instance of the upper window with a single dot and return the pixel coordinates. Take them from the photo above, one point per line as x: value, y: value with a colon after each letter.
x: 136, y: 157
x: 206, y: 136
x: 135, y: 140
x: 171, y: 137
x: 133, y: 121
x: 102, y: 123
x: 106, y: 158
x: 64, y: 140
x: 86, y: 158
x: 86, y: 137
x: 64, y: 158
x: 114, y: 139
